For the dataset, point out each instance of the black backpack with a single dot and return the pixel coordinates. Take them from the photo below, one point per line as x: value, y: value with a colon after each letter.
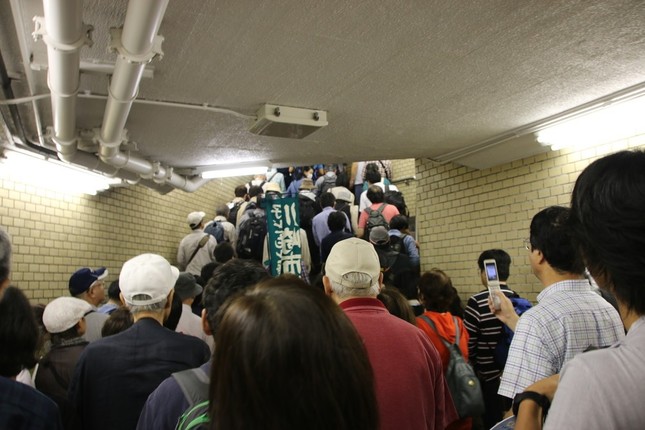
x: 307, y: 211
x: 397, y: 244
x: 216, y: 230
x: 253, y: 230
x: 232, y: 214
x: 375, y: 218
x: 398, y: 271
x: 396, y: 198
x: 463, y: 384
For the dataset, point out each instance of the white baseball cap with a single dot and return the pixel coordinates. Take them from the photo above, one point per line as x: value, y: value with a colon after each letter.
x: 195, y: 218
x: 353, y: 255
x: 64, y: 313
x: 149, y: 275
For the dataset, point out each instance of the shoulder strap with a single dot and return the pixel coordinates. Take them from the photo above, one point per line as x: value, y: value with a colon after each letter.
x: 201, y: 243
x: 381, y: 208
x: 194, y: 385
x: 186, y: 422
x: 387, y: 175
x: 434, y: 328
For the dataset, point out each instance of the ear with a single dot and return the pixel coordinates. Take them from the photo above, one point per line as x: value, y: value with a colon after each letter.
x: 540, y: 256
x: 171, y: 294
x: 327, y: 285
x: 205, y: 326
x: 380, y: 282
x: 122, y: 299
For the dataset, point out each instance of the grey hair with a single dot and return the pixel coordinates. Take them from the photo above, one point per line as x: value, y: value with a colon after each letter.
x: 354, y: 284
x: 5, y: 255
x: 222, y: 210
x: 154, y: 307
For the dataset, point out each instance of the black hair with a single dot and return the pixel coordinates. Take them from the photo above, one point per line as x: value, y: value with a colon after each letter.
x: 608, y: 224
x: 175, y: 313
x: 18, y: 333
x: 397, y: 304
x: 399, y: 222
x: 375, y: 194
x: 5, y: 256
x: 327, y: 200
x: 70, y: 333
x: 342, y: 180
x: 336, y: 221
x: 241, y: 191
x: 224, y: 251
x: 114, y: 290
x: 551, y: 235
x: 372, y: 173
x: 207, y: 272
x: 255, y: 190
x: 229, y: 279
x: 502, y: 259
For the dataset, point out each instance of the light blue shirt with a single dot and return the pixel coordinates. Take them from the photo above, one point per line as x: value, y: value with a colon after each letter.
x: 319, y: 225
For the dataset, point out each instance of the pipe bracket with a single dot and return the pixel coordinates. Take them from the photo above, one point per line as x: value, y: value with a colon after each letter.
x: 40, y: 32
x: 116, y: 45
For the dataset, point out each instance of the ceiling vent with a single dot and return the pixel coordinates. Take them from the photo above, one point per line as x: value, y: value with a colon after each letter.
x: 289, y: 122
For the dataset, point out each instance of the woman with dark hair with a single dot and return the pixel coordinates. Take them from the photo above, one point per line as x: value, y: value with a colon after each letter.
x: 437, y: 295
x: 21, y: 406
x: 120, y: 320
x: 397, y: 304
x: 287, y: 357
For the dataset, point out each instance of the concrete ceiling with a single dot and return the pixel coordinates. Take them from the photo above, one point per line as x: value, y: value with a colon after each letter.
x: 399, y: 79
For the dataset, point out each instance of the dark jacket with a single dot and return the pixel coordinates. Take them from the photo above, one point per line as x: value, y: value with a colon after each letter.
x: 119, y: 372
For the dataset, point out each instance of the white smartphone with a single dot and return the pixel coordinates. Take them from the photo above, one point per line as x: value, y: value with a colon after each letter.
x: 492, y: 280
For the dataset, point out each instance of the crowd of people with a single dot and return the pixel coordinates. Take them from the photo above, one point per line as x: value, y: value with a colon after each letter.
x: 365, y: 341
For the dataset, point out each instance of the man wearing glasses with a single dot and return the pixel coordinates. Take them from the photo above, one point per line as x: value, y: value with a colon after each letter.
x: 87, y: 284
x: 569, y: 318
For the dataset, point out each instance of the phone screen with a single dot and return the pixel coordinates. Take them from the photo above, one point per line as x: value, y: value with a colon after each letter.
x: 491, y: 272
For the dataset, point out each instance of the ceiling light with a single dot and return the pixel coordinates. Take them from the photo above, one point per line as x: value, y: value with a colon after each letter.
x: 227, y: 171
x: 290, y: 122
x: 609, y: 122
x: 52, y: 175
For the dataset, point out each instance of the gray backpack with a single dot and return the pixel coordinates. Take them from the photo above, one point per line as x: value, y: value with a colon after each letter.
x: 375, y: 218
x: 463, y: 384
x: 194, y: 385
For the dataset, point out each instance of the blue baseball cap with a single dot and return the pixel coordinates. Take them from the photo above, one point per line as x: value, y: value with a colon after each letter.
x: 83, y: 279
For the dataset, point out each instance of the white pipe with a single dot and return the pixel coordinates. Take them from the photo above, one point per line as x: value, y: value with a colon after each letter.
x: 64, y: 38
x: 142, y: 22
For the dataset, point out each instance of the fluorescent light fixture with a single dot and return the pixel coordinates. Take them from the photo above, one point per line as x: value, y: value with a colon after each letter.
x: 609, y: 122
x: 289, y: 122
x: 52, y: 175
x: 227, y: 171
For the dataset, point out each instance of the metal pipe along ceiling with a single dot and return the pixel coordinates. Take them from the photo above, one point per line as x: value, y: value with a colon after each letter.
x: 142, y: 23
x: 64, y: 39
x: 64, y: 35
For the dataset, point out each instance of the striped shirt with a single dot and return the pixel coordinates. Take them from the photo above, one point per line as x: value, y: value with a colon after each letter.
x: 568, y: 319
x: 485, y: 331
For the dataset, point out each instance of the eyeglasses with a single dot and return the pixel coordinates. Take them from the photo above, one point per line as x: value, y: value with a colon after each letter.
x: 527, y: 244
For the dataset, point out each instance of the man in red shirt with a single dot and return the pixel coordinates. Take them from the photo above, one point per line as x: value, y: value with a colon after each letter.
x: 410, y: 386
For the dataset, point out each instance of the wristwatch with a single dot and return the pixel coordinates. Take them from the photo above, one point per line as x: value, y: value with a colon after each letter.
x: 542, y: 400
